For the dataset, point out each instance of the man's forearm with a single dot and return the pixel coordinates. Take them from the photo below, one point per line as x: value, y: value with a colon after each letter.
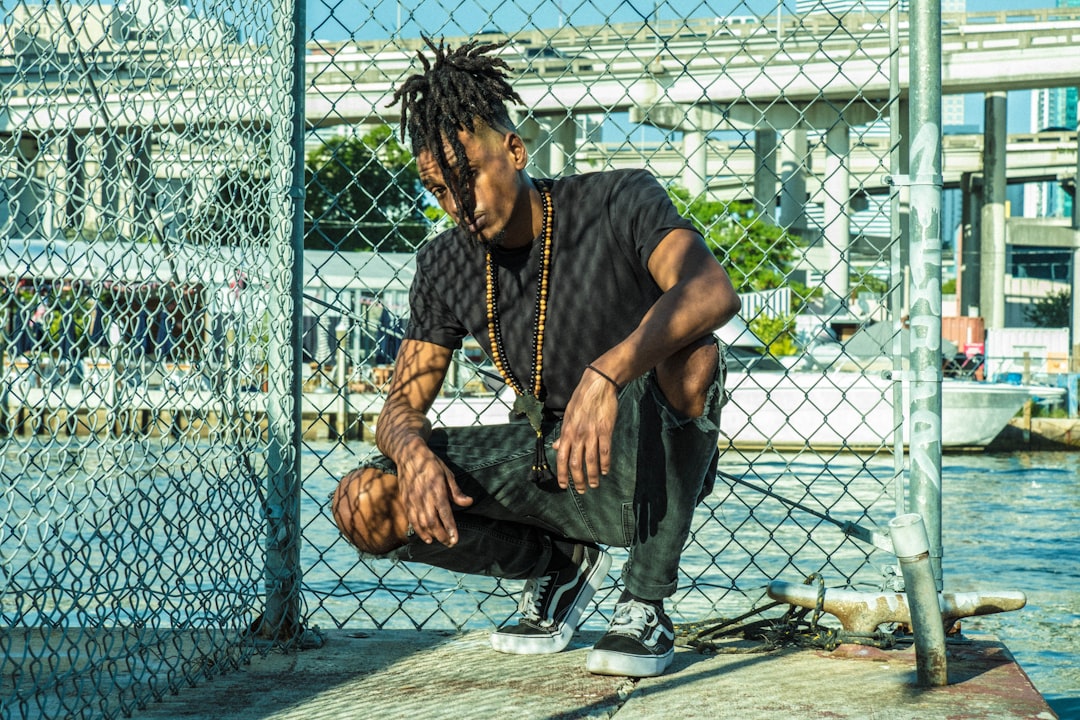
x: 682, y: 315
x: 399, y: 427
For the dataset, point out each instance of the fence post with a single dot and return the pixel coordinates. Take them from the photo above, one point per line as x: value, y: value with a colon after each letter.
x: 281, y: 616
x: 924, y: 238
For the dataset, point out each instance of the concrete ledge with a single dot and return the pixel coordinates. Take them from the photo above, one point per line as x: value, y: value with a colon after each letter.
x: 435, y: 675
x: 1040, y: 434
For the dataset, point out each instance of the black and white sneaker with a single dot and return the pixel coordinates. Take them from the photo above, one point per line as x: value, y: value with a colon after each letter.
x: 640, y: 642
x: 551, y: 605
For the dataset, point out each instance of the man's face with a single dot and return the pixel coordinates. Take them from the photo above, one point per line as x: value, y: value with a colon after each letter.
x: 496, y: 160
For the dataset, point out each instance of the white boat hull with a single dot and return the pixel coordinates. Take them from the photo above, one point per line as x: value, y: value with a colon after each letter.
x: 797, y: 410
x: 844, y: 410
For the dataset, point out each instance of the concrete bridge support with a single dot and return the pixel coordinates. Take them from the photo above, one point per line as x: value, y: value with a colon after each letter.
x: 1074, y: 320
x: 792, y: 152
x: 55, y: 178
x: 107, y: 184
x: 142, y: 200
x: 1074, y: 325
x: 552, y: 142
x: 75, y: 174
x: 30, y: 212
x: 835, y: 195
x: 1076, y: 178
x: 992, y: 244
x: 695, y: 174
x: 970, y: 235
x: 765, y: 175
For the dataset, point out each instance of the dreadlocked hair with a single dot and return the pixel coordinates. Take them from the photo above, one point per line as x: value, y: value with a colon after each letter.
x: 463, y: 85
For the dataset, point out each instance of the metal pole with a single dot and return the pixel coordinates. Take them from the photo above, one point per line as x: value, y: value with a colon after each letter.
x: 924, y: 238
x: 341, y: 332
x: 281, y: 617
x: 909, y: 544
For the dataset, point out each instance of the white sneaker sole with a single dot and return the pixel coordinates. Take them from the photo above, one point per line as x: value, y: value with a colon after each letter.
x: 606, y: 662
x: 515, y: 644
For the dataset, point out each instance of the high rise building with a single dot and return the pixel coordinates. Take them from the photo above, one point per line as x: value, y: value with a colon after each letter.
x: 952, y: 106
x: 1054, y: 108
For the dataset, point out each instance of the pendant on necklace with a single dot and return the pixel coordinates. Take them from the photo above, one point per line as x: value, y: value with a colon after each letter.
x: 531, y: 408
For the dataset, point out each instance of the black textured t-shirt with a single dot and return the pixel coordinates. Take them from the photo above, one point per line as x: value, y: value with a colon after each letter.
x: 606, y: 226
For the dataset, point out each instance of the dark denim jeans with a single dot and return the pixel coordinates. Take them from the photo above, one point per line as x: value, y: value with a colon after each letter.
x: 662, y: 466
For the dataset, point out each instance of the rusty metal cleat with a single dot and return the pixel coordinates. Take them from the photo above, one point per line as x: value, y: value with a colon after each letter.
x: 863, y: 612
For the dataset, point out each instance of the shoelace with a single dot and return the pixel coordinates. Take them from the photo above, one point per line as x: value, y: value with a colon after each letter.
x: 632, y: 618
x: 529, y: 606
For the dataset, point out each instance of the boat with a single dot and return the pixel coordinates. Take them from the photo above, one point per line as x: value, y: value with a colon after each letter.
x: 841, y: 396
x: 794, y: 410
x: 819, y: 405
x: 854, y: 411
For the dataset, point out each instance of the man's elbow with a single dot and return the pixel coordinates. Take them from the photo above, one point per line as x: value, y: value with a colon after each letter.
x: 727, y: 307
x: 734, y: 306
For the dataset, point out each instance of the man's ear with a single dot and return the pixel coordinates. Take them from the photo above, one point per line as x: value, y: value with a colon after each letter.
x: 516, y: 147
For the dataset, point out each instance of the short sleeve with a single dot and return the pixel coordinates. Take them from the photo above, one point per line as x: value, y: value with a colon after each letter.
x: 642, y: 210
x: 430, y: 320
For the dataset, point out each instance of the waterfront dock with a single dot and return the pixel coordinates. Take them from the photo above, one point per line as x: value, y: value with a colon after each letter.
x: 116, y: 408
x: 434, y: 675
x: 113, y: 408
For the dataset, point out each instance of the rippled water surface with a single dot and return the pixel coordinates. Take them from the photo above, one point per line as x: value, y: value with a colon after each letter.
x: 1012, y: 522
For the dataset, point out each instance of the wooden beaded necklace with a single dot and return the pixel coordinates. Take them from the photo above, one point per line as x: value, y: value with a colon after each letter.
x: 527, y: 404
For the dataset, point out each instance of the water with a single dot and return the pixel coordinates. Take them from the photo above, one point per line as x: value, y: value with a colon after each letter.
x: 1009, y: 523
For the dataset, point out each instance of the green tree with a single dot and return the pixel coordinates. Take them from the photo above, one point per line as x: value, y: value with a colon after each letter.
x: 1051, y: 311
x: 778, y: 333
x: 757, y: 255
x: 363, y: 194
x: 862, y: 282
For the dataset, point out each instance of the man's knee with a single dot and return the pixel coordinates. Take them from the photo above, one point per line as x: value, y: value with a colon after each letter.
x: 686, y: 376
x: 366, y: 511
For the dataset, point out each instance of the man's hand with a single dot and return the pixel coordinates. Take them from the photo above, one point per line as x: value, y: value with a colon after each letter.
x: 584, y: 445
x: 428, y: 490
x: 426, y: 487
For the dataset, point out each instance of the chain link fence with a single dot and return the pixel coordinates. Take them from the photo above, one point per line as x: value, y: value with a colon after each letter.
x: 181, y: 393
x: 145, y: 170
x: 773, y: 130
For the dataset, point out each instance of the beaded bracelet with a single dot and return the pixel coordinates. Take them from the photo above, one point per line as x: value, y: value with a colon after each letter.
x: 601, y: 373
